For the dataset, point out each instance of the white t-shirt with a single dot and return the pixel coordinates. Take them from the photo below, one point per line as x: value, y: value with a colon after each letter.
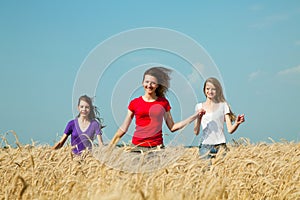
x: 213, y: 124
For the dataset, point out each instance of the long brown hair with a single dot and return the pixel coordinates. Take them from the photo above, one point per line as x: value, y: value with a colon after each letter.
x: 163, y: 79
x: 219, y: 96
x: 94, y: 112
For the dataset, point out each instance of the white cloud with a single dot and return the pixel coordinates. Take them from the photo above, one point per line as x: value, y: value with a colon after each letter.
x: 292, y: 70
x: 270, y: 20
x: 256, y: 7
x: 194, y: 77
x: 254, y: 75
x: 297, y: 43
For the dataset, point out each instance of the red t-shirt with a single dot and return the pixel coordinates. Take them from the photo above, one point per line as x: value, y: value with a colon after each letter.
x: 148, y: 119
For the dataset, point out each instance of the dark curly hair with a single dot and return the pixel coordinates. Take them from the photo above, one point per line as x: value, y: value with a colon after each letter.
x: 94, y: 113
x: 163, y: 79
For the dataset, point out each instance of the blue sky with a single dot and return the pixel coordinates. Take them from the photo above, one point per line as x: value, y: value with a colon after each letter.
x: 254, y: 44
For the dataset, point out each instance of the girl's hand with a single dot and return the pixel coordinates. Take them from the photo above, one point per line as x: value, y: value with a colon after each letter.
x: 240, y: 119
x: 201, y: 112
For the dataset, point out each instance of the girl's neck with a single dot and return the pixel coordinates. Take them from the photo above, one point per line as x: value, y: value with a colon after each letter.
x: 210, y: 105
x: 83, y: 119
x: 210, y: 101
x: 149, y: 97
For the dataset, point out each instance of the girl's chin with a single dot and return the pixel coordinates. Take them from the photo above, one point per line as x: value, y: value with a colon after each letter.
x: 150, y: 90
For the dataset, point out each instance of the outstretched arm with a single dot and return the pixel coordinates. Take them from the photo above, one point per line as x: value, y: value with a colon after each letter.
x: 61, y: 142
x: 123, y: 129
x: 100, y: 141
x: 179, y: 125
x: 197, y: 126
x: 232, y: 127
x: 198, y: 121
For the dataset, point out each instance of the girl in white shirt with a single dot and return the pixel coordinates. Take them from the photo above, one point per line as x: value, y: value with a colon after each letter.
x: 215, y: 111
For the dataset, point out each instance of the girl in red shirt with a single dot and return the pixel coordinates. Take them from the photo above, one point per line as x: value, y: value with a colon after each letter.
x: 150, y: 110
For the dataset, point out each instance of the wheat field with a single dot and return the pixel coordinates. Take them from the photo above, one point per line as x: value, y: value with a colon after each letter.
x: 248, y: 171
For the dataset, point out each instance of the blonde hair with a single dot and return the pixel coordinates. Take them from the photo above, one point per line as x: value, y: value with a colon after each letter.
x: 219, y: 96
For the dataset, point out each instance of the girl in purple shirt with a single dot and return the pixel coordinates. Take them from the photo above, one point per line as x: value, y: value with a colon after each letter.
x: 83, y: 128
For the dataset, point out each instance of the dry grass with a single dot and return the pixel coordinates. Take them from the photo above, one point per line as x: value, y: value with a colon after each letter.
x: 248, y: 171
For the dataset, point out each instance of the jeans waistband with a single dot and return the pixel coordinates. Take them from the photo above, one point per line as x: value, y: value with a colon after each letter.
x: 145, y: 149
x: 213, y: 145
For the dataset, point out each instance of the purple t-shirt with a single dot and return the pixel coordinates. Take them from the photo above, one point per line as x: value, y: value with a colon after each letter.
x: 82, y: 140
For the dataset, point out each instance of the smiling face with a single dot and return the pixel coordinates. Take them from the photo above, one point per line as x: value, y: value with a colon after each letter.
x: 84, y: 109
x: 150, y: 84
x: 210, y: 91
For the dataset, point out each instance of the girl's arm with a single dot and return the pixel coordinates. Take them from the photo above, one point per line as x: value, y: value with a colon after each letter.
x: 100, y: 141
x: 61, y: 142
x: 232, y: 127
x: 179, y: 125
x: 198, y: 121
x: 123, y: 129
x: 197, y: 125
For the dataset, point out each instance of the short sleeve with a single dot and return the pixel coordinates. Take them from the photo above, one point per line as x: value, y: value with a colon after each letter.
x: 226, y: 109
x: 167, y: 106
x: 98, y: 130
x: 131, y: 105
x: 198, y: 106
x: 69, y: 128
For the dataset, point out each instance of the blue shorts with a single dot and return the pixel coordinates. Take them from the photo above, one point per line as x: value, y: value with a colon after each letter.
x: 209, y: 151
